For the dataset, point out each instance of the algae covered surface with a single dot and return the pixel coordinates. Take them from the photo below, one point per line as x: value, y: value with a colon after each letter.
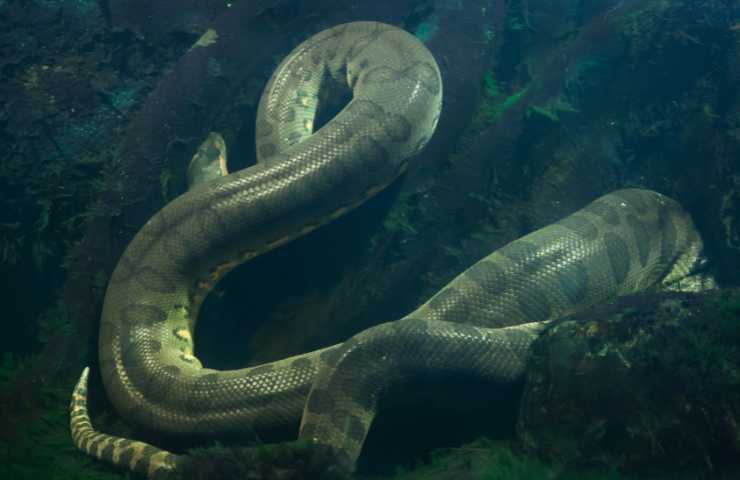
x: 548, y: 104
x: 648, y: 384
x: 42, y: 449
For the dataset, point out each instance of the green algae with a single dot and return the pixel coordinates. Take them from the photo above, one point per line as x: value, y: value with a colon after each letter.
x: 485, y: 459
x: 44, y: 450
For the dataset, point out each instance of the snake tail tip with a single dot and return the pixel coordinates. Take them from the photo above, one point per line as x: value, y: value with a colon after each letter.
x: 82, y: 382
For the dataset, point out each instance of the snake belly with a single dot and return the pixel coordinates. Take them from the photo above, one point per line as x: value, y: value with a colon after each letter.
x: 623, y: 242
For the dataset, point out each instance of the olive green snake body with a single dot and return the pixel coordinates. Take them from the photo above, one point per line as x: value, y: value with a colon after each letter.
x: 482, y: 323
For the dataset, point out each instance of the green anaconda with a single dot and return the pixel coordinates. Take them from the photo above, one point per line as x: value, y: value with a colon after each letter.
x: 482, y: 323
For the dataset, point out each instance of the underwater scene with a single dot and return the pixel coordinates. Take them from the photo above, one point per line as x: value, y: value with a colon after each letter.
x: 370, y: 239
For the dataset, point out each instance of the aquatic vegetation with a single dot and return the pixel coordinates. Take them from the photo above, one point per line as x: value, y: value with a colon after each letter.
x: 495, y: 102
x: 286, y: 461
x: 492, y: 104
x: 9, y: 365
x: 35, y: 440
x: 714, y: 348
x: 486, y: 459
x: 54, y: 321
x: 677, y: 356
x: 728, y: 319
x: 48, y: 188
x: 49, y: 173
x: 425, y: 30
x: 43, y: 449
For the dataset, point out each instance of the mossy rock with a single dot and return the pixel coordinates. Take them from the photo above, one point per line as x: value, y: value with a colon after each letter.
x: 647, y: 383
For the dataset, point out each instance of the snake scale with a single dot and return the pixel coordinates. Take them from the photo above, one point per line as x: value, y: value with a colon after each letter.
x: 482, y: 323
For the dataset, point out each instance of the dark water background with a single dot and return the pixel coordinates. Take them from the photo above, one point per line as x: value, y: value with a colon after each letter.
x: 548, y: 104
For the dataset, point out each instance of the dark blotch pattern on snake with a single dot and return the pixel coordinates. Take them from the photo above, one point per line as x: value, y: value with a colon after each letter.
x: 482, y: 323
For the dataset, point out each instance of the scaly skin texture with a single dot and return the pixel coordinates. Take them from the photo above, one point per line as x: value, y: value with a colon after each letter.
x: 301, y: 181
x: 133, y: 455
x: 623, y: 242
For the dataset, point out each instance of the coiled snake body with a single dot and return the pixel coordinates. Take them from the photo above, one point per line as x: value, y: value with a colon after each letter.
x: 481, y: 323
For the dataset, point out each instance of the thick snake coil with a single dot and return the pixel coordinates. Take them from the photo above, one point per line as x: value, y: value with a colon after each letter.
x: 482, y: 323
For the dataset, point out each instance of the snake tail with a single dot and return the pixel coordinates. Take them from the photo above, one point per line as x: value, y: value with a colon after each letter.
x: 140, y: 457
x: 481, y: 323
x: 293, y: 460
x: 306, y: 175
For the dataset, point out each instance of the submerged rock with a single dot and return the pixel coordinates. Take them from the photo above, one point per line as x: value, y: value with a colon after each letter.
x: 648, y: 382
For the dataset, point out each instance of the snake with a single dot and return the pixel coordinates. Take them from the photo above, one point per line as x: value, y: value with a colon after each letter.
x: 482, y: 323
